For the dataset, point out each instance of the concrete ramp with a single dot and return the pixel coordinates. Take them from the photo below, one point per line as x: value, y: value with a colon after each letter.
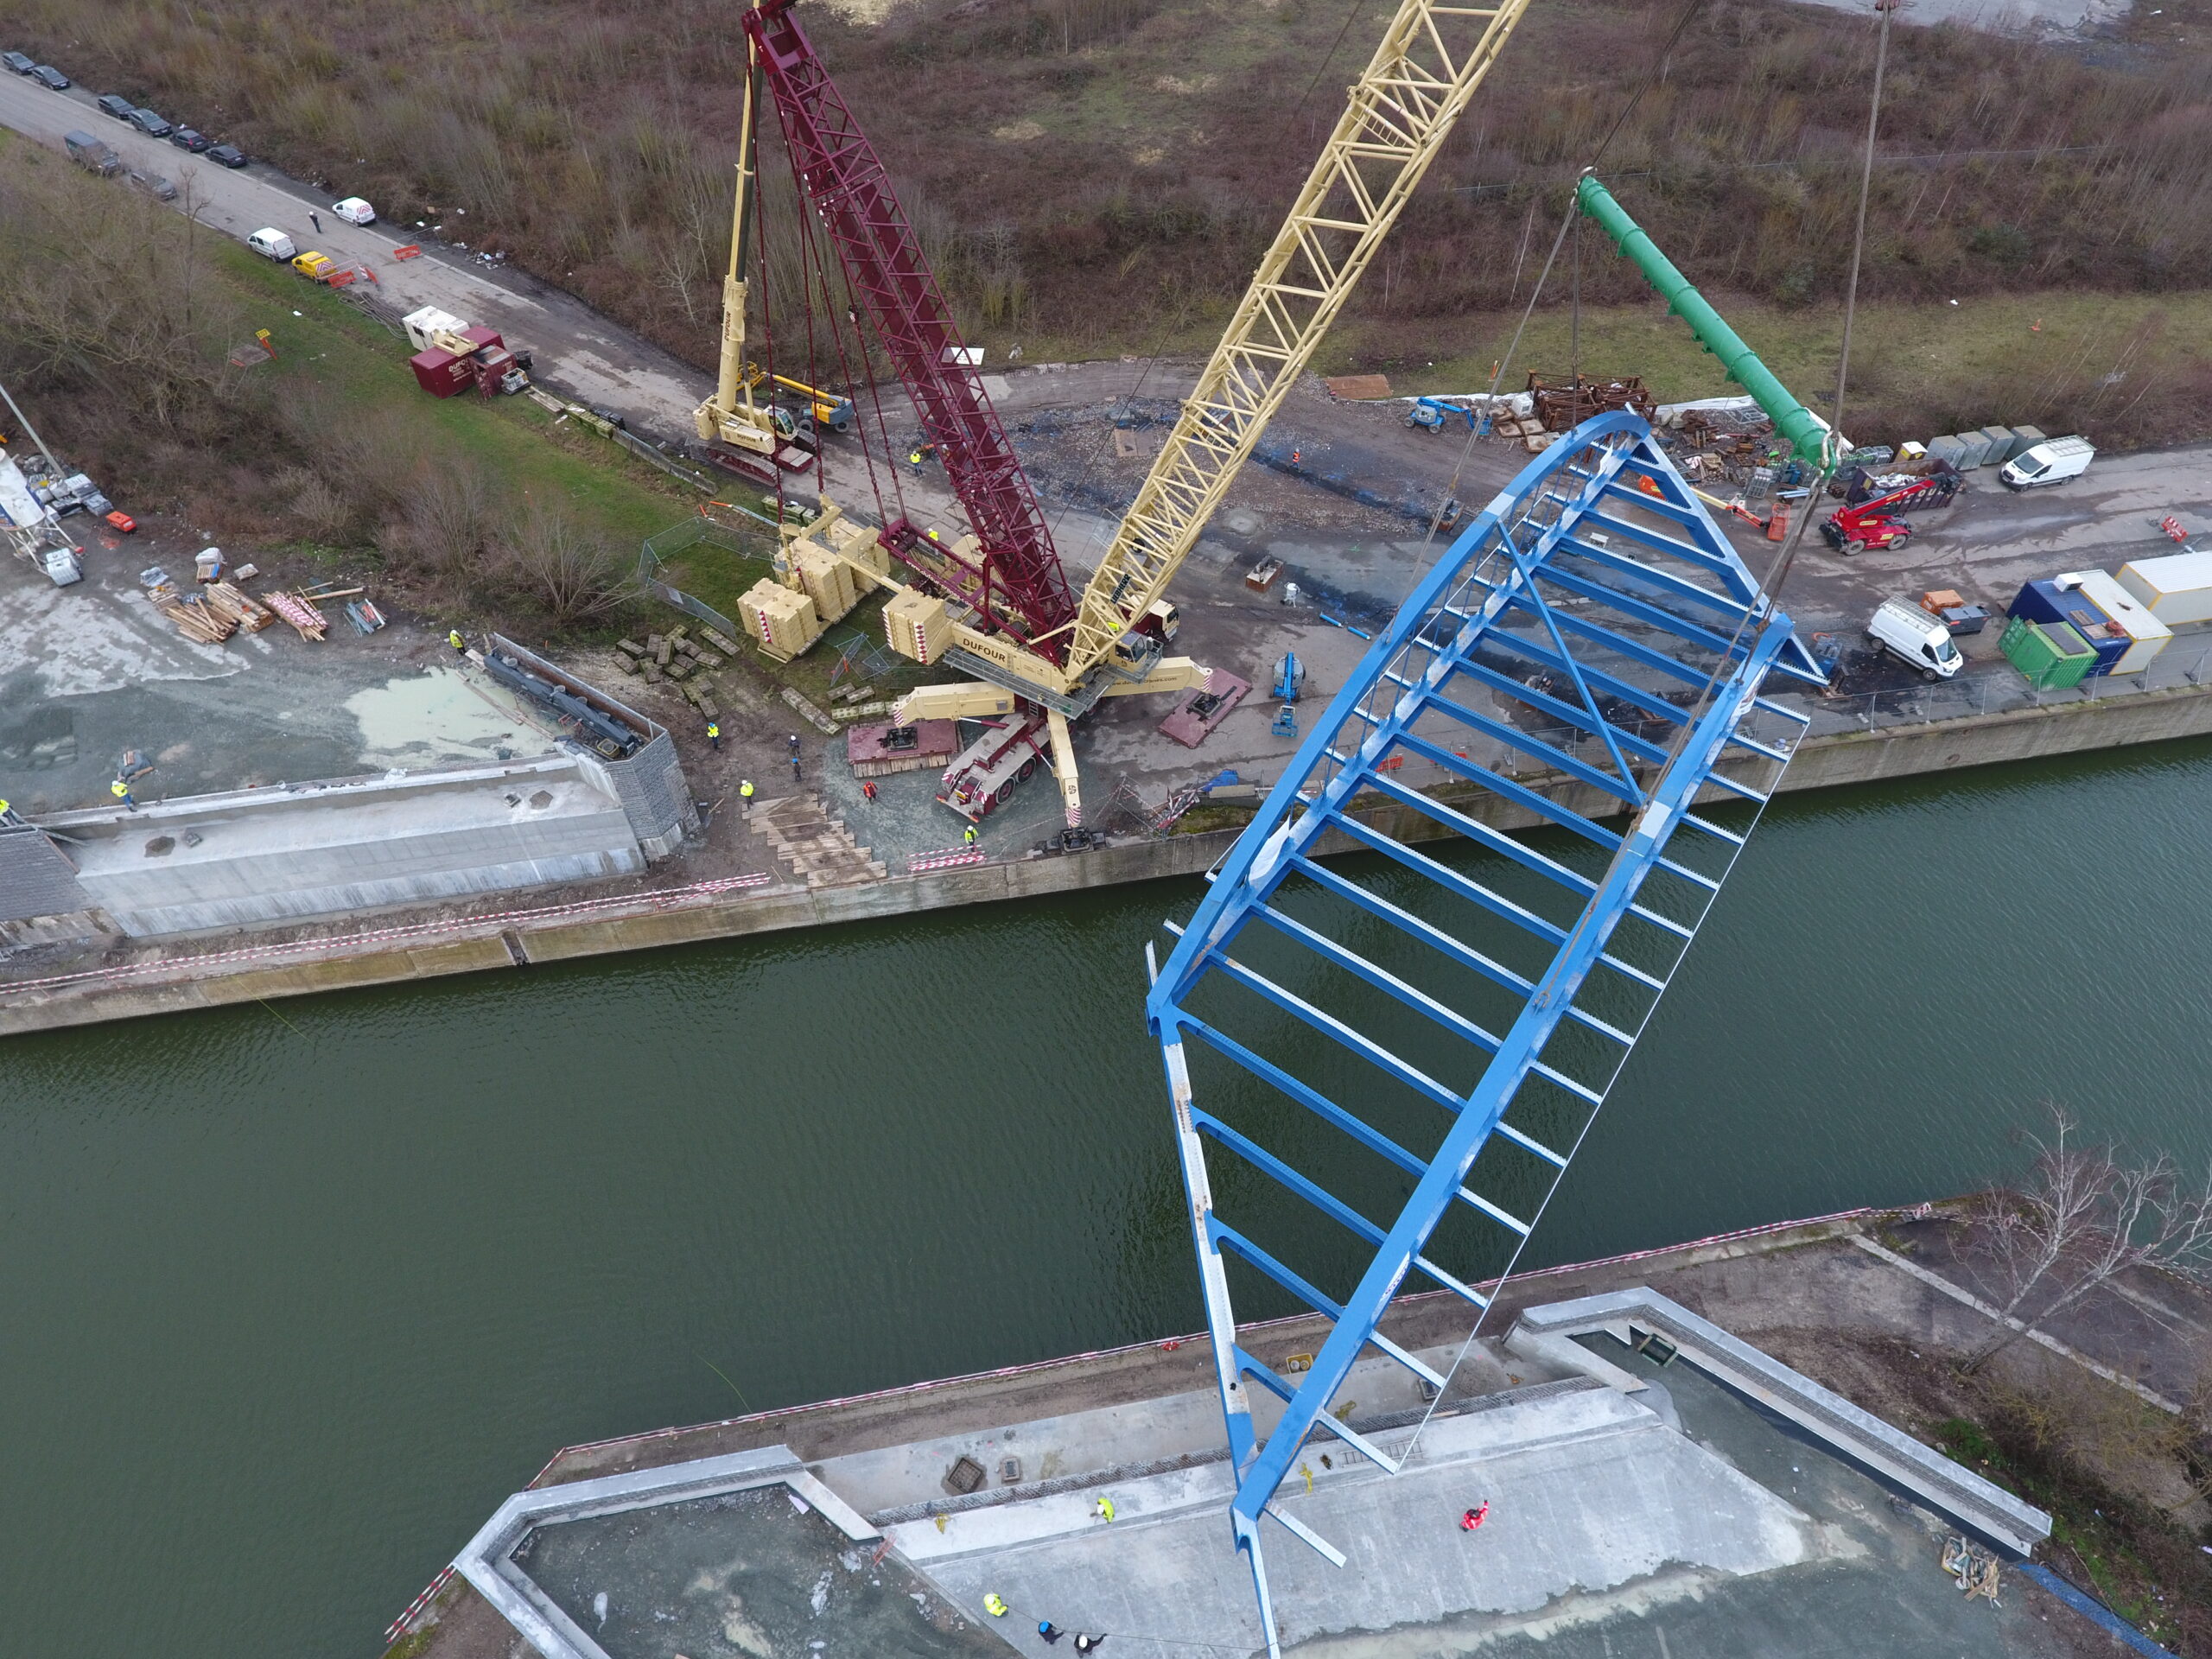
x: 1590, y: 1490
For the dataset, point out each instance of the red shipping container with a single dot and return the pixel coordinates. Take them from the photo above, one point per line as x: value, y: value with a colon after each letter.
x: 440, y: 372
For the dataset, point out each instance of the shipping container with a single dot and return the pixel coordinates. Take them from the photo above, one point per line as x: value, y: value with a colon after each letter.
x: 2146, y: 635
x: 1973, y: 450
x: 2177, y: 589
x: 2050, y: 654
x: 440, y: 372
x: 2057, y: 601
x: 2024, y: 438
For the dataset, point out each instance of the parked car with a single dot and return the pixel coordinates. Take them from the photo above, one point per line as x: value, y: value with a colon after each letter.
x: 18, y: 63
x: 316, y: 266
x: 185, y: 138
x: 116, y: 105
x: 271, y: 243
x: 1913, y: 636
x: 46, y: 75
x: 149, y: 124
x: 154, y: 184
x: 227, y: 156
x: 91, y: 154
x: 354, y: 210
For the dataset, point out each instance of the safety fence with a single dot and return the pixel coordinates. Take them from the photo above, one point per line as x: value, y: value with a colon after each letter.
x: 655, y: 552
x: 675, y: 468
x: 1994, y: 688
x: 639, y: 904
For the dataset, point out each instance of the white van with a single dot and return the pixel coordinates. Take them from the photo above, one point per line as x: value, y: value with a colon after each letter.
x: 1907, y: 631
x: 2052, y: 463
x: 354, y: 210
x: 271, y: 243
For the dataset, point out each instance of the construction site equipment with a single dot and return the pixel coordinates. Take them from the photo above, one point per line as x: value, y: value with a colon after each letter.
x: 2051, y: 655
x: 1431, y: 413
x: 33, y: 528
x: 1878, y: 523
x: 1809, y: 437
x: 592, y: 726
x: 451, y: 356
x: 1290, y: 678
x: 1286, y: 721
x: 1562, y: 408
x: 1899, y: 491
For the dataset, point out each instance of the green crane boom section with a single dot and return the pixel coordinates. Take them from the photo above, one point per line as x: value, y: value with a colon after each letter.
x: 1810, y: 438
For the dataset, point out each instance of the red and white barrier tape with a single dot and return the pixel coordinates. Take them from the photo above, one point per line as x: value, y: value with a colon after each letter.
x: 392, y: 1631
x: 952, y: 858
x: 642, y: 903
x: 1030, y: 1368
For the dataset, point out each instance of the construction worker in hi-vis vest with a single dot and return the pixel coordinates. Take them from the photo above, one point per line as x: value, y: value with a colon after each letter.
x: 745, y: 790
x: 993, y: 1606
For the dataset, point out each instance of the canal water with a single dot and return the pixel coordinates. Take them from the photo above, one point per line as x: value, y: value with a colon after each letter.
x: 292, y: 1296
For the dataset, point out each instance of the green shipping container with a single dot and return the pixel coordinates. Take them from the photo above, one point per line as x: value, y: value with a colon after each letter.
x: 2051, y: 654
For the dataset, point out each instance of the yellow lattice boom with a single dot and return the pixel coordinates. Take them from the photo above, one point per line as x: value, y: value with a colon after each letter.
x: 1399, y: 114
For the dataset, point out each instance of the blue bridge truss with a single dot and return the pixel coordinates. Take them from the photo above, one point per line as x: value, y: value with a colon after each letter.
x: 1414, y: 1044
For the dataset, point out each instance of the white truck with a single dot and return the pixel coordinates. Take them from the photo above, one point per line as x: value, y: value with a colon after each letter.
x: 1911, y: 635
x: 2052, y: 461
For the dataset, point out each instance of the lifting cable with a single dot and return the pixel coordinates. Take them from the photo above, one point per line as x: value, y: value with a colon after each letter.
x: 1762, y: 612
x: 1652, y: 77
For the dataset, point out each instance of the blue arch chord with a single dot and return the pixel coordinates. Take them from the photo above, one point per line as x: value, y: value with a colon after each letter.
x: 1623, y: 645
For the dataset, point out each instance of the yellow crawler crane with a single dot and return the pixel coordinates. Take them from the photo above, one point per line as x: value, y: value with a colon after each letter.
x: 1400, y: 111
x: 731, y: 419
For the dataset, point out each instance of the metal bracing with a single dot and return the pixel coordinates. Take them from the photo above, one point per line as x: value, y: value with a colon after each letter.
x: 1589, y: 647
x: 1014, y: 580
x: 1400, y: 111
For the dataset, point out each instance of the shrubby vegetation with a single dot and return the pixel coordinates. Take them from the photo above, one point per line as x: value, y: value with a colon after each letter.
x: 118, y: 318
x: 1096, y: 171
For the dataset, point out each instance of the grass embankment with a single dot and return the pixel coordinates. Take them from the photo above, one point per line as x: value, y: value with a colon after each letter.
x: 332, y: 355
x: 2125, y: 368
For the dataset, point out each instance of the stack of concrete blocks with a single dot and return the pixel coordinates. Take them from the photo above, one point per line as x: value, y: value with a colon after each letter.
x: 825, y: 579
x: 783, y: 624
x: 915, y: 623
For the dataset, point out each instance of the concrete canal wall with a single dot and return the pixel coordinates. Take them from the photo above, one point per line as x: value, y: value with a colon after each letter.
x: 731, y: 910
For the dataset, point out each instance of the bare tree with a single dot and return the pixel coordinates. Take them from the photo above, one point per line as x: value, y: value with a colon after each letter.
x: 574, y: 575
x: 2081, y: 1216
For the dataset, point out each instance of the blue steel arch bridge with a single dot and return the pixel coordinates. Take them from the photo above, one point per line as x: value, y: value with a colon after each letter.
x: 1413, y: 1046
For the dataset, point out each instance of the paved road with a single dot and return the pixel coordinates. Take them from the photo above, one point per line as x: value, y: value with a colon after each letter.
x: 578, y: 352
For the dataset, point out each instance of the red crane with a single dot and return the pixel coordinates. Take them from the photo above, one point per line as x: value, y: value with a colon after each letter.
x: 1012, y: 577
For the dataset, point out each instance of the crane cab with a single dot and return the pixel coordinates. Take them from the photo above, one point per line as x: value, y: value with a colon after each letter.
x: 1150, y: 634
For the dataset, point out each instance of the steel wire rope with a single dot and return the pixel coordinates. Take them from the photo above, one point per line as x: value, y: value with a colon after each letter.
x: 1764, y: 611
x: 844, y: 368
